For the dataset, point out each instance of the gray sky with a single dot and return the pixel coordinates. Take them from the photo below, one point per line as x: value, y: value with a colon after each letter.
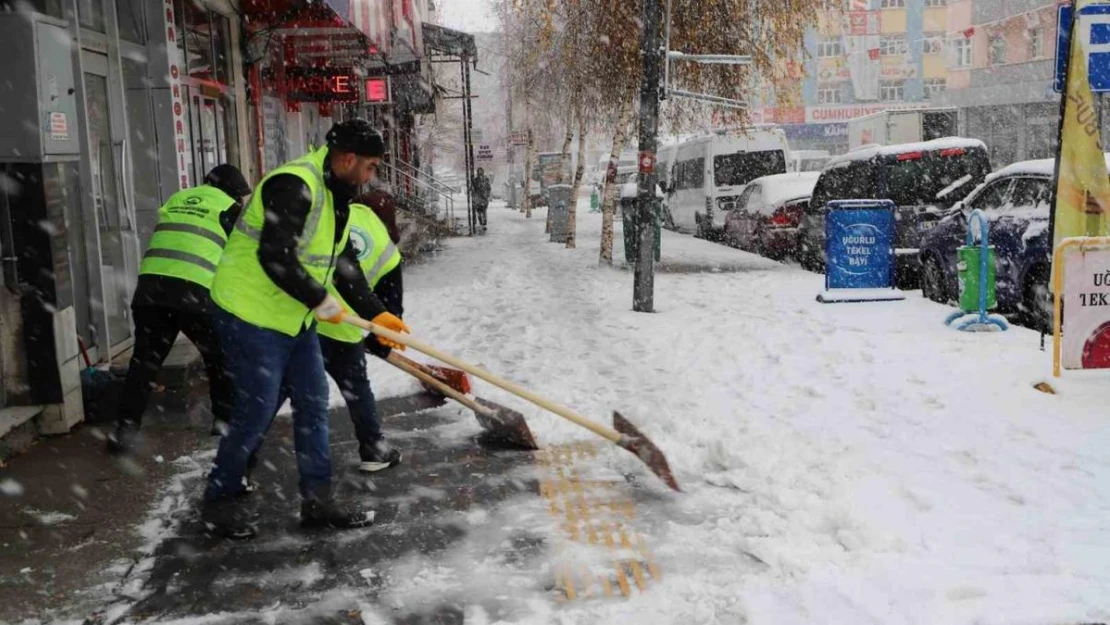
x: 473, y: 16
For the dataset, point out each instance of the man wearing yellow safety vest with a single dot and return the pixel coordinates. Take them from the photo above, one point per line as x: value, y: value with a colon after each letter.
x: 172, y: 296
x: 342, y: 345
x: 270, y: 290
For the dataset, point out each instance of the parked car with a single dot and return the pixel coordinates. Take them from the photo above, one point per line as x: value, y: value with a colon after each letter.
x: 766, y: 215
x: 1016, y: 201
x: 922, y: 179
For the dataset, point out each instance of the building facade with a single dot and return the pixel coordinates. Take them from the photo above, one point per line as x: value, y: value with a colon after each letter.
x: 111, y: 106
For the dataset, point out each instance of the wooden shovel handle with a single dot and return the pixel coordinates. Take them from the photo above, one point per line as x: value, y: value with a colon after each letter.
x: 520, y: 392
x: 414, y: 369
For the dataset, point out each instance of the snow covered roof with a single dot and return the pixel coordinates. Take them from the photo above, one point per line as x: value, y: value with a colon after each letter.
x: 867, y: 153
x: 1039, y: 167
x: 779, y: 188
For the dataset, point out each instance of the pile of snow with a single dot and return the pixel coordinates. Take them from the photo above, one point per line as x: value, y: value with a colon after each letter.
x: 871, y: 151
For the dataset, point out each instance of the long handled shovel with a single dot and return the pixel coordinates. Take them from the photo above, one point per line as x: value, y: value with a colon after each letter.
x: 501, y: 422
x: 623, y: 435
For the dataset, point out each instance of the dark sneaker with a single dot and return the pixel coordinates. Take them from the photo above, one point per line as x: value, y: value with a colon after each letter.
x: 229, y: 518
x: 328, y: 513
x: 378, y: 456
x: 125, y: 439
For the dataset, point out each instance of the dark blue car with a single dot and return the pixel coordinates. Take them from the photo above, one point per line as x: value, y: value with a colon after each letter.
x: 1016, y: 201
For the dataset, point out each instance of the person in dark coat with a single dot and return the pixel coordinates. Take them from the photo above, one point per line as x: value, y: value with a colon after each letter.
x: 172, y: 296
x: 481, y: 189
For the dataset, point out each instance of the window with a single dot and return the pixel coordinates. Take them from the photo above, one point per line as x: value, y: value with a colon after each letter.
x: 992, y: 198
x: 915, y: 179
x: 1030, y: 193
x: 846, y: 181
x: 1035, y: 38
x: 828, y: 94
x: 961, y: 51
x: 829, y: 47
x: 750, y: 198
x: 934, y: 87
x: 690, y: 174
x: 997, y: 49
x: 131, y: 20
x: 935, y: 3
x: 892, y: 90
x: 933, y: 43
x: 741, y: 168
x: 893, y: 4
x: 90, y: 14
x: 892, y: 45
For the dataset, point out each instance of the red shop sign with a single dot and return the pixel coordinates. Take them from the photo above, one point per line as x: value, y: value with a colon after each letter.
x: 321, y: 84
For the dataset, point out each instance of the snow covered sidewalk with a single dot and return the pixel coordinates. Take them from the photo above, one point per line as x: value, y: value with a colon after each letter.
x: 841, y: 463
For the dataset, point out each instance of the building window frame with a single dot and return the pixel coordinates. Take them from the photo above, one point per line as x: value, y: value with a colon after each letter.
x: 996, y: 49
x: 892, y: 4
x: 1035, y: 37
x: 892, y: 90
x: 829, y: 48
x: 961, y: 52
x: 829, y: 93
x: 893, y: 45
x: 935, y: 87
x: 933, y: 43
x: 932, y: 4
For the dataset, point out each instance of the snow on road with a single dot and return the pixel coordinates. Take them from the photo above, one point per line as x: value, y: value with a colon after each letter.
x: 845, y: 463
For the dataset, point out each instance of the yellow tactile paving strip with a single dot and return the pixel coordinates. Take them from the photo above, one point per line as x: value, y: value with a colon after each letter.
x: 595, y: 513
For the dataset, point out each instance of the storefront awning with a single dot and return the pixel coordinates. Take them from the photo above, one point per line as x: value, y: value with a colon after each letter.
x: 334, y: 32
x: 445, y: 41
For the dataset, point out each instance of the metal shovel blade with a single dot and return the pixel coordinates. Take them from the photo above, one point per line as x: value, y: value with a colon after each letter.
x: 634, y: 441
x: 505, y: 425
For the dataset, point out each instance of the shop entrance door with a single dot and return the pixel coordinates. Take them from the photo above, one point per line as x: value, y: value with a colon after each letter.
x: 115, y: 224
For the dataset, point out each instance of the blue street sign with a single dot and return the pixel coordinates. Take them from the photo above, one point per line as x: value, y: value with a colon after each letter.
x: 1094, y: 24
x: 859, y: 244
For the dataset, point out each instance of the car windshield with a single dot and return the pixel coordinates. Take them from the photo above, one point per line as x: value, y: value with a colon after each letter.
x: 915, y: 178
x: 730, y: 170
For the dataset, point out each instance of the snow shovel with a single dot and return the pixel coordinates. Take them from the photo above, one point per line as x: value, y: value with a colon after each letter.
x: 623, y: 433
x: 502, y: 423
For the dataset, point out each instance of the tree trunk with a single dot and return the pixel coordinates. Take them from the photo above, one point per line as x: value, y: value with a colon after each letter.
x: 609, y: 190
x: 563, y: 159
x: 579, y: 171
x: 529, y: 157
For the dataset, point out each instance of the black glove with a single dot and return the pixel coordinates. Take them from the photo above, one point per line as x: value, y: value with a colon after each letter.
x: 372, y: 345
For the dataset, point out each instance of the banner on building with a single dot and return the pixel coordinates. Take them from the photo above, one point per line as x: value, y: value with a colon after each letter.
x: 1082, y: 191
x: 861, y: 46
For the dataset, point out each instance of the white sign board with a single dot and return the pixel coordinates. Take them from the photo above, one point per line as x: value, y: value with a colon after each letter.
x: 1086, y: 340
x: 484, y: 153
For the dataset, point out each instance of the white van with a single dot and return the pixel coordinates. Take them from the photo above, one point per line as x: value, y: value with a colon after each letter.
x: 708, y: 173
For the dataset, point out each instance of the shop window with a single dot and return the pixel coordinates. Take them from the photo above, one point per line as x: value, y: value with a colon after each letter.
x: 221, y: 47
x: 131, y: 21
x: 90, y: 14
x: 53, y: 8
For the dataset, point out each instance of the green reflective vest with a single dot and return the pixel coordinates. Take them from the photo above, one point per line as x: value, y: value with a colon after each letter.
x: 377, y: 256
x: 242, y: 287
x: 188, y: 240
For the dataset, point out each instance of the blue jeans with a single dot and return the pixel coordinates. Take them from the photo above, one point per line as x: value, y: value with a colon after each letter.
x: 260, y: 361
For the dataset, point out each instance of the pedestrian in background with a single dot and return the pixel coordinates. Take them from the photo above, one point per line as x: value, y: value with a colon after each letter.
x: 480, y: 189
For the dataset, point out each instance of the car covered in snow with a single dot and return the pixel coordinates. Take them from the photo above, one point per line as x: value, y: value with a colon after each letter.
x: 922, y: 179
x: 765, y: 217
x: 1016, y: 201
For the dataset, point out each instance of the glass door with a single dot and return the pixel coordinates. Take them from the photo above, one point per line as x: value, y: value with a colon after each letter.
x: 113, y: 219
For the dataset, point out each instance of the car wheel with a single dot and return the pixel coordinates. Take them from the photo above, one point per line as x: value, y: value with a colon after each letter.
x: 1037, y: 302
x: 932, y: 281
